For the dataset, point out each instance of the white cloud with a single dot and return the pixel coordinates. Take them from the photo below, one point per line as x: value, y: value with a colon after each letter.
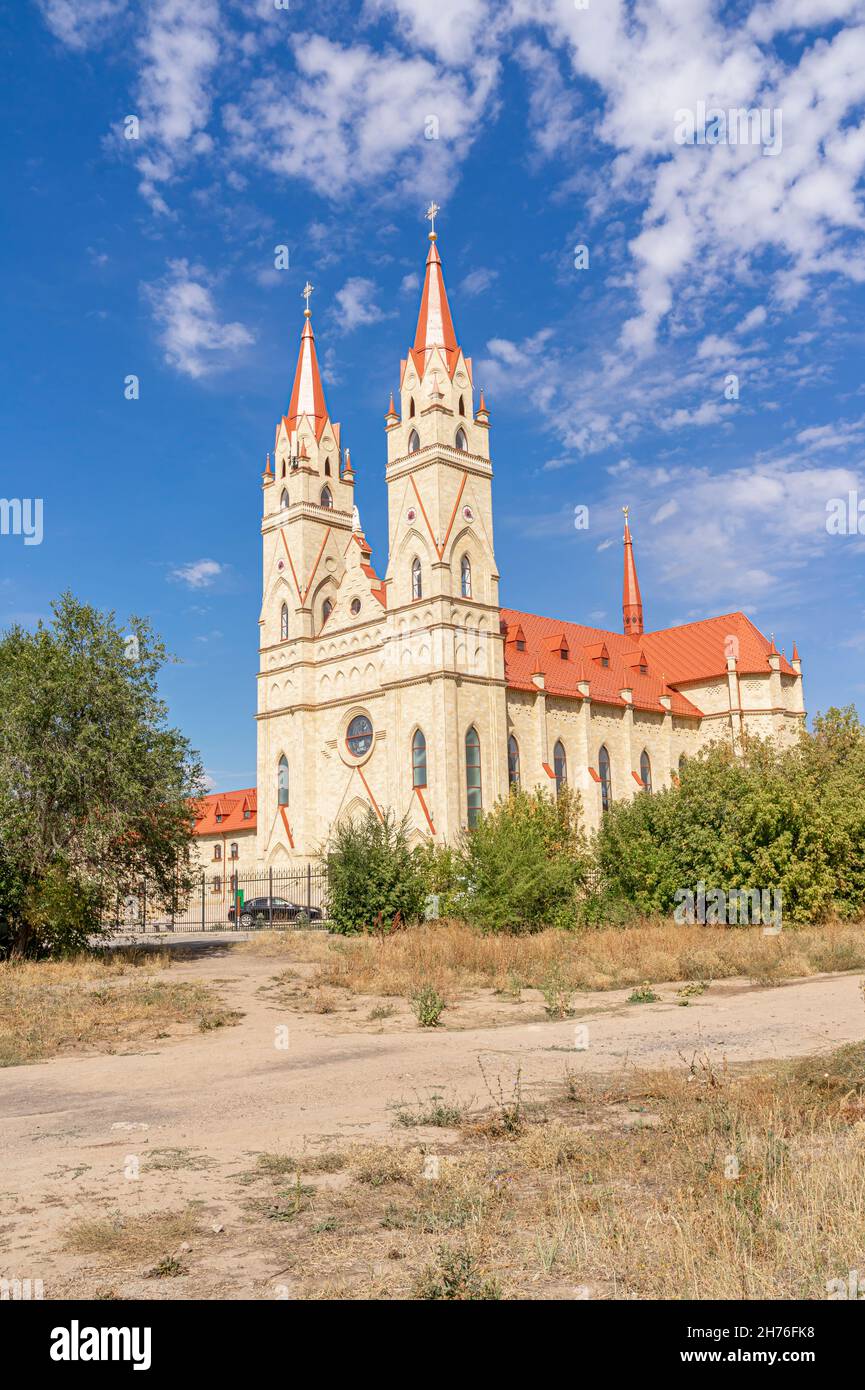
x: 755, y: 319
x: 81, y: 24
x: 352, y: 117
x: 478, y: 280
x: 356, y: 303
x: 452, y: 29
x: 410, y: 283
x: 193, y: 339
x: 198, y: 574
x: 179, y: 50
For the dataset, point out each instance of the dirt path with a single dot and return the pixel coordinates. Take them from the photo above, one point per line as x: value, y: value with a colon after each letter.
x: 69, y: 1125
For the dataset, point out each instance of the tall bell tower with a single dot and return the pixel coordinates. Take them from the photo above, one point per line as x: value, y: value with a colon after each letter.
x: 308, y: 516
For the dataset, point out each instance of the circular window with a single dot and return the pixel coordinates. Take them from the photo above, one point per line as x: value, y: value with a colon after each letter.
x: 359, y: 736
x: 468, y: 514
x: 410, y: 514
x: 355, y: 606
x: 281, y: 565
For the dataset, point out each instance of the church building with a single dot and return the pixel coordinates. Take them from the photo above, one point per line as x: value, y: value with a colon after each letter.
x: 412, y: 688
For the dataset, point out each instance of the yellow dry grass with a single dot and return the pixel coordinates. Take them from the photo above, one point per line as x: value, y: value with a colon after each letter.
x: 452, y: 957
x: 89, y: 1002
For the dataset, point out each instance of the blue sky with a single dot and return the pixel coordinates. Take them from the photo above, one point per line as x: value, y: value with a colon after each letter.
x: 553, y: 127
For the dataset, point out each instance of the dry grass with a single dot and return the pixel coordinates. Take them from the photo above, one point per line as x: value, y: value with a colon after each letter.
x: 89, y: 1003
x: 452, y: 957
x: 678, y: 1185
x: 131, y: 1238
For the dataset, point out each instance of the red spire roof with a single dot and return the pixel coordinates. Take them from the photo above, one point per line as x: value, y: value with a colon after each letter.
x: 307, y: 396
x: 434, y: 323
x: 632, y: 603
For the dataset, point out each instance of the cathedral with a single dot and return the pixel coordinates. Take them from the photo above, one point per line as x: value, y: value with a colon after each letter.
x: 412, y: 689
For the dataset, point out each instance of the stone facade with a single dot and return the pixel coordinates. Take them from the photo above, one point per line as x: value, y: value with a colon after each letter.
x: 355, y: 669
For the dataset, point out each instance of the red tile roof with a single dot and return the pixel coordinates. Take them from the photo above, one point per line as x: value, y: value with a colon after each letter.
x: 229, y: 805
x: 675, y: 656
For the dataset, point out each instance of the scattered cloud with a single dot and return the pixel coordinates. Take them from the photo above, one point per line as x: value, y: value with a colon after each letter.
x: 357, y: 303
x: 81, y: 24
x: 478, y: 280
x: 198, y: 574
x: 193, y: 338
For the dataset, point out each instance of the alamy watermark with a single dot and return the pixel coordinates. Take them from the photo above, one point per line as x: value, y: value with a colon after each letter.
x: 22, y: 516
x: 734, y: 907
x: 754, y: 125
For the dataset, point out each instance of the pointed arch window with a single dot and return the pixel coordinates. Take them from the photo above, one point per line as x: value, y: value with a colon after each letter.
x: 283, y: 623
x: 466, y: 577
x: 418, y: 759
x: 474, y: 791
x: 283, y: 501
x: 416, y: 579
x: 326, y: 499
x: 282, y: 781
x: 461, y: 441
x: 683, y: 758
x: 645, y: 771
x: 606, y: 781
x: 560, y: 766
x: 513, y: 762
x: 327, y: 468
x: 411, y: 407
x: 462, y: 406
x: 326, y: 610
x: 413, y: 442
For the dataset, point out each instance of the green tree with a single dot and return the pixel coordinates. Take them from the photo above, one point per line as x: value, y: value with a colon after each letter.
x: 375, y: 883
x: 96, y: 791
x: 524, y: 863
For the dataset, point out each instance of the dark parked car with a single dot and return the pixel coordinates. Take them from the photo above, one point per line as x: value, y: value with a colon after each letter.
x: 283, y: 911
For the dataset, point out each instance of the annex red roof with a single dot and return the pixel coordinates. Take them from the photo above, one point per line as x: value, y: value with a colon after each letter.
x: 230, y: 806
x: 699, y: 650
x: 675, y: 656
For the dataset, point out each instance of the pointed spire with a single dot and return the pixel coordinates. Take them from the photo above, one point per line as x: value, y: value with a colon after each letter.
x: 795, y: 652
x: 307, y: 396
x: 632, y: 603
x: 391, y: 418
x: 483, y: 414
x: 434, y: 325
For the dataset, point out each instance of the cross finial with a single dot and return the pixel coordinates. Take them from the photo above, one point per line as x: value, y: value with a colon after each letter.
x: 626, y: 510
x: 306, y: 292
x: 431, y: 213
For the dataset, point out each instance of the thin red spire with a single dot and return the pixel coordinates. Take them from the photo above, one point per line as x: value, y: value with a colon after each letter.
x: 632, y: 603
x: 434, y: 324
x: 307, y: 396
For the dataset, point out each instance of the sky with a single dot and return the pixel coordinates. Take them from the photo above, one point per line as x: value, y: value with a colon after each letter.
x: 659, y: 316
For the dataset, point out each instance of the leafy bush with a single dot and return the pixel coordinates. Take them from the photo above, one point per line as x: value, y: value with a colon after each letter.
x: 428, y: 1006
x: 778, y: 819
x: 524, y: 864
x: 375, y: 882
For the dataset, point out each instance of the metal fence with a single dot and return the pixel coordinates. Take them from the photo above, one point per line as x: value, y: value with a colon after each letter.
x: 277, y: 899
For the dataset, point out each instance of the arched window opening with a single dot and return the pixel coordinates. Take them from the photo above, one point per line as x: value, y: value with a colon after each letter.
x: 645, y: 771
x: 326, y: 499
x: 327, y: 468
x: 606, y: 782
x: 217, y: 851
x: 418, y: 759
x: 560, y: 766
x: 282, y: 474
x: 462, y: 406
x: 466, y: 577
x: 413, y: 442
x: 474, y: 798
x: 283, y: 623
x: 217, y: 883
x: 233, y: 851
x: 416, y: 579
x: 283, y: 501
x: 461, y: 441
x: 513, y: 762
x: 282, y: 781
x: 411, y: 407
x: 326, y: 610
x: 683, y: 758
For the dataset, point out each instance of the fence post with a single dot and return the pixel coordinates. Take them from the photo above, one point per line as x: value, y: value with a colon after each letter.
x: 144, y: 905
x: 270, y: 897
x: 202, y: 900
x: 308, y: 887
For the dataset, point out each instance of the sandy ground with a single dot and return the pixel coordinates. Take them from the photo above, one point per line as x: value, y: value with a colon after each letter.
x: 70, y: 1126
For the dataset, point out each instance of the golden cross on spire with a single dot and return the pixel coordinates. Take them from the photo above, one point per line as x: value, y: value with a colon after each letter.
x: 306, y: 292
x: 431, y: 213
